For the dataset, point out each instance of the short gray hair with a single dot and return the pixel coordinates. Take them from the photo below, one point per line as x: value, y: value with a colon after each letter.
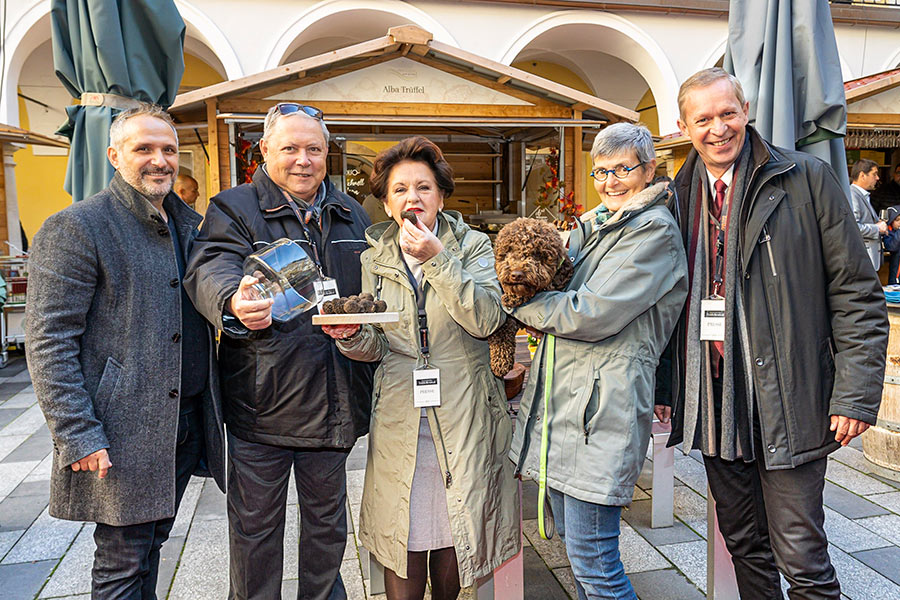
x: 620, y: 138
x: 117, y: 128
x: 274, y: 114
x: 705, y: 78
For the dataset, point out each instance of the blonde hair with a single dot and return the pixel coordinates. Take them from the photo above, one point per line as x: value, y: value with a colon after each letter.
x: 705, y: 78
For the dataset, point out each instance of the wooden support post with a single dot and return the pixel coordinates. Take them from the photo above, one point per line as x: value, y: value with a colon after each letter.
x: 578, y: 175
x: 662, y: 503
x: 721, y: 583
x: 569, y: 157
x: 212, y: 125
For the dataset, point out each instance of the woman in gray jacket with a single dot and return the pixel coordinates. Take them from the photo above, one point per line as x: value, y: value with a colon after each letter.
x: 589, y: 404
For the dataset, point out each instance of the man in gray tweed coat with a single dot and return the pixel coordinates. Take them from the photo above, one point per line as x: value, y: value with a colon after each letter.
x: 120, y: 359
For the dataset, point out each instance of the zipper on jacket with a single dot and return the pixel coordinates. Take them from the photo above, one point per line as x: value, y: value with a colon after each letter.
x: 766, y: 239
x: 448, y: 478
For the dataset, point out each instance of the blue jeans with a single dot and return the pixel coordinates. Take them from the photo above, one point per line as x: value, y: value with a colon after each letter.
x: 591, y: 535
x: 126, y: 562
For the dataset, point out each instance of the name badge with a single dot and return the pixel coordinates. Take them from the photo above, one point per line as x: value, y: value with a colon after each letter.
x: 326, y: 289
x: 426, y: 387
x: 712, y: 319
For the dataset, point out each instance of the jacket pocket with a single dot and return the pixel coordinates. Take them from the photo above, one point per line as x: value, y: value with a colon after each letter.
x: 590, y: 406
x: 106, y: 391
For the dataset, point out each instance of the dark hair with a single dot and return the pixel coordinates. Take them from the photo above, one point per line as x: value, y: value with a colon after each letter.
x: 861, y: 167
x: 417, y: 149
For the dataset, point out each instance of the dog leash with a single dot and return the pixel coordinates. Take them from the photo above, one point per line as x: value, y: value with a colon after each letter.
x: 546, y: 526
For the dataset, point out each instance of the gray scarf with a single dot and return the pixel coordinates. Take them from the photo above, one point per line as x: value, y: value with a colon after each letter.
x: 699, y: 414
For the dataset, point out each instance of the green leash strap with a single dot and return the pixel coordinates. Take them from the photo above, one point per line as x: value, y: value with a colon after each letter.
x: 545, y: 523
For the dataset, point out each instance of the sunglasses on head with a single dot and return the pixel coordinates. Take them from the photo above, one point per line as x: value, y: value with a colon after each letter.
x: 289, y: 108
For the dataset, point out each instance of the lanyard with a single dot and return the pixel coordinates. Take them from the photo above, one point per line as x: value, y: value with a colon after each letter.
x: 422, y: 317
x: 423, y: 335
x: 303, y: 221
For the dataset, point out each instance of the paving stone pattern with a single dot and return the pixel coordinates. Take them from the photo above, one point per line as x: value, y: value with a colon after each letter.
x: 42, y: 557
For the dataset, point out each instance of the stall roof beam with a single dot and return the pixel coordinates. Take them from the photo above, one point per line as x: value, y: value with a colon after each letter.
x: 413, y: 121
x: 869, y: 86
x: 17, y: 135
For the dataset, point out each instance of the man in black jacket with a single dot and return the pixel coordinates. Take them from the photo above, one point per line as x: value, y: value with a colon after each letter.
x: 291, y: 399
x: 779, y: 357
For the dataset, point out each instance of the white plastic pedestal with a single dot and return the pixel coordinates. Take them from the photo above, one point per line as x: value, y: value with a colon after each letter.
x: 505, y: 583
x: 662, y: 502
x: 721, y: 583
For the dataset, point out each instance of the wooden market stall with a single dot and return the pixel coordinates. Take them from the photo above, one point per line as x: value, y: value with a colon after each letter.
x: 486, y: 116
x: 13, y: 266
x: 873, y: 120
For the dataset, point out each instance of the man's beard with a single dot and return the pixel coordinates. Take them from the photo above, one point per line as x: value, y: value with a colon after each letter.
x: 145, y: 187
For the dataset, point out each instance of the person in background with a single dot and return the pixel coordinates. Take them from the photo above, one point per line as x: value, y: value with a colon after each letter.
x: 864, y: 176
x: 439, y: 495
x: 187, y: 189
x: 122, y: 364
x: 891, y: 243
x: 605, y: 333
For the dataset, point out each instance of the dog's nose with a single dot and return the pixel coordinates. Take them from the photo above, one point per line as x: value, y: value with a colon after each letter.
x: 516, y: 276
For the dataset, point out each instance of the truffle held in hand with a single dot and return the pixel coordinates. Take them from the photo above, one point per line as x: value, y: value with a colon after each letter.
x: 410, y: 216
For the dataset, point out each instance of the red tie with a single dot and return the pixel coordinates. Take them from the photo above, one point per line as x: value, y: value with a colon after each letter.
x: 720, y: 198
x: 716, y: 210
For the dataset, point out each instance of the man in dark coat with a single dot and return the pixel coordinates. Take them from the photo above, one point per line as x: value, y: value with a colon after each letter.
x: 779, y: 356
x: 291, y: 399
x: 120, y: 359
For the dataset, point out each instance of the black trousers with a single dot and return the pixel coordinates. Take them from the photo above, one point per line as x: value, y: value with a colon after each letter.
x: 258, y: 478
x: 772, y: 521
x: 126, y: 562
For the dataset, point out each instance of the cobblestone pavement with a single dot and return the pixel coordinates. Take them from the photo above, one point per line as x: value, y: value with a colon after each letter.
x: 42, y: 557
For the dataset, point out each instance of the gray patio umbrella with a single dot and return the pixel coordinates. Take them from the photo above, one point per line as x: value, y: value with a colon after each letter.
x: 785, y: 55
x: 109, y: 52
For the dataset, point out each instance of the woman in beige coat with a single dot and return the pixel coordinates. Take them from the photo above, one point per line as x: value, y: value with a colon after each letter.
x: 439, y: 492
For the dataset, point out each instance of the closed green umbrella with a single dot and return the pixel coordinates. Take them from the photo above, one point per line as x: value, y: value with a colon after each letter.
x: 785, y: 55
x: 112, y: 50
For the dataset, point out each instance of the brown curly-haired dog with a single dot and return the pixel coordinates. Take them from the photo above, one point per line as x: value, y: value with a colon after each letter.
x: 530, y: 258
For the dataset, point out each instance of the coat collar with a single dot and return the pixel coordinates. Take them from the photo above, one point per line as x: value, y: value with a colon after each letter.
x: 764, y: 158
x: 272, y: 198
x: 383, y: 237
x: 186, y: 219
x: 587, y: 236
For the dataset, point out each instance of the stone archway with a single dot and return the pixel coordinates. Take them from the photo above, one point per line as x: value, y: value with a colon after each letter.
x: 328, y: 25
x: 603, y: 44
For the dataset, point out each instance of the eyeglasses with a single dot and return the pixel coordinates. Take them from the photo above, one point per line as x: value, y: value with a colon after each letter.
x: 621, y: 172
x: 289, y: 108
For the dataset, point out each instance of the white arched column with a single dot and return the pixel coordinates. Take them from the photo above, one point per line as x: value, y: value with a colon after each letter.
x: 621, y: 39
x: 30, y: 31
x: 207, y: 32
x: 33, y: 29
x: 329, y: 8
